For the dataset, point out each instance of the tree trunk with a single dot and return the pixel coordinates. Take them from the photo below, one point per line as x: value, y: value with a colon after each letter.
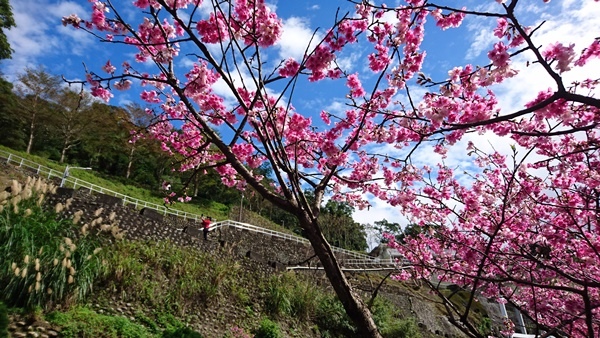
x: 130, y: 162
x: 355, y: 308
x: 63, y: 153
x: 31, y: 130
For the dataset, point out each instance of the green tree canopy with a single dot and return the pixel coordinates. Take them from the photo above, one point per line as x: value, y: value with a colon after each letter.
x: 6, y: 22
x: 339, y: 227
x: 11, y: 125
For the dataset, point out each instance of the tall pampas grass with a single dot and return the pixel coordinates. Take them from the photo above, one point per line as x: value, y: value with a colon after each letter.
x: 44, y: 259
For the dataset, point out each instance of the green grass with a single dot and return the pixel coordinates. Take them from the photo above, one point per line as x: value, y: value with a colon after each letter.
x: 289, y: 296
x: 217, y: 210
x: 167, y: 278
x: 3, y: 320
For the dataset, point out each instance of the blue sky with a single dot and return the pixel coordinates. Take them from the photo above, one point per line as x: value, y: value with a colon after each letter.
x: 40, y: 39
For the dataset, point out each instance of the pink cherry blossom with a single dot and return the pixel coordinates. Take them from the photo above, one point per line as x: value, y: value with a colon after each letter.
x: 356, y: 89
x: 109, y: 68
x: 123, y: 85
x: 563, y: 55
x: 499, y: 55
x: 516, y: 222
x: 102, y: 93
x: 289, y: 68
x: 592, y: 51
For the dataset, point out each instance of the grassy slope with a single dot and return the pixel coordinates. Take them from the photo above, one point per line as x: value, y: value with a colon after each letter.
x: 175, y: 297
x: 218, y: 210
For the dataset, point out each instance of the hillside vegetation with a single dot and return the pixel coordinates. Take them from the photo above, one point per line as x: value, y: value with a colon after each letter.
x: 89, y: 281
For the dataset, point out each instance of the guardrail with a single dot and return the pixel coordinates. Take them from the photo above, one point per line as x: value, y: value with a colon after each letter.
x: 297, y: 239
x: 75, y: 183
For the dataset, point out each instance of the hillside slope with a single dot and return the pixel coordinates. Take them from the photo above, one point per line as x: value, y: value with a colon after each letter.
x: 237, y: 279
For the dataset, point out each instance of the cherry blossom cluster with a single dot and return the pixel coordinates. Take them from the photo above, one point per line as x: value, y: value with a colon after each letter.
x: 251, y: 21
x: 515, y: 229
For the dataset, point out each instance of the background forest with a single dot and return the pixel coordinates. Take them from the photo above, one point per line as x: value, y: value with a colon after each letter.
x: 40, y: 115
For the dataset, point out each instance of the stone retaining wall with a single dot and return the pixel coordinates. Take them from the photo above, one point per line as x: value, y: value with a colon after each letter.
x: 256, y: 252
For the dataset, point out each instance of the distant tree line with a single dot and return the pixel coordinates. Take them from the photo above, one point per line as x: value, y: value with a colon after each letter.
x: 40, y: 115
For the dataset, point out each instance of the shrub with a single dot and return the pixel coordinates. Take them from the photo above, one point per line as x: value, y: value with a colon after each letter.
x: 288, y: 295
x: 84, y: 322
x: 402, y: 328
x: 277, y: 300
x: 332, y: 320
x: 268, y: 329
x: 168, y: 321
x: 182, y: 332
x: 147, y: 322
x: 485, y: 326
x: 390, y: 325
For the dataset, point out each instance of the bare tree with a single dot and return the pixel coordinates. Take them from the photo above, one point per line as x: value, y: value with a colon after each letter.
x: 37, y: 88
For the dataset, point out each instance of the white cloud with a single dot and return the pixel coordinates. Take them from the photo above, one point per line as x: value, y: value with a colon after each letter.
x: 569, y: 26
x: 350, y: 62
x: 39, y: 33
x: 481, y: 41
x: 296, y: 37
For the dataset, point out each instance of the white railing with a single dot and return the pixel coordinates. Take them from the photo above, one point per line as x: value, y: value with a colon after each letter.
x: 75, y: 183
x: 354, y: 262
x: 358, y: 256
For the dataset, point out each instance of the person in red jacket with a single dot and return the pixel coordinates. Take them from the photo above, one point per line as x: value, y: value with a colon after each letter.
x: 206, y: 226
